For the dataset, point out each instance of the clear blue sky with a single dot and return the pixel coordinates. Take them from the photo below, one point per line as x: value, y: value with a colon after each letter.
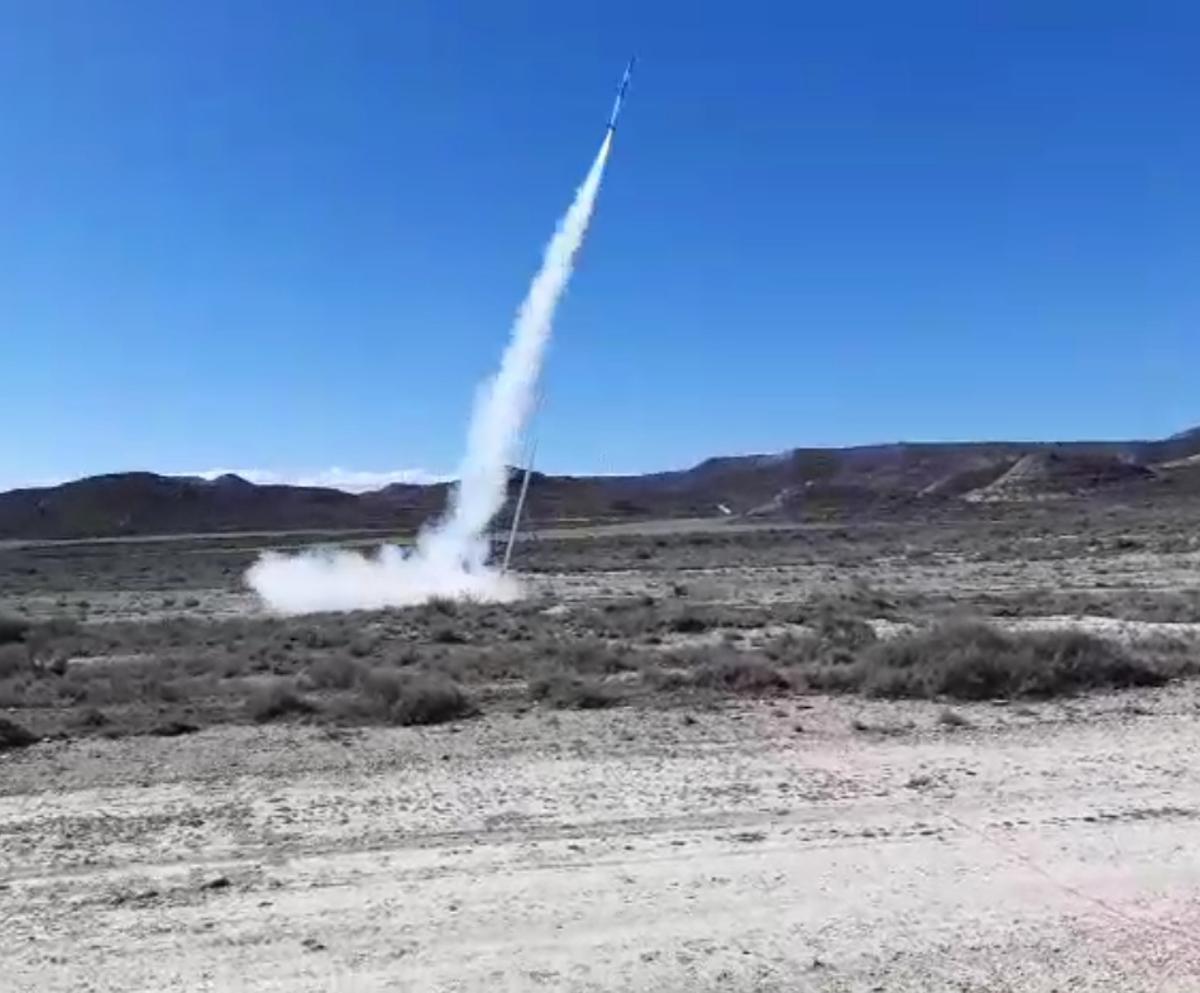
x: 292, y: 234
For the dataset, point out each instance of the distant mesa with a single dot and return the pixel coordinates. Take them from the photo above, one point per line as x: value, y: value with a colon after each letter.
x: 800, y: 484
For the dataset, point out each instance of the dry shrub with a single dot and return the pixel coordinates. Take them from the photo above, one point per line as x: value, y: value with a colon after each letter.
x: 953, y: 719
x: 333, y: 672
x: 14, y: 658
x: 57, y: 637
x: 635, y: 617
x: 492, y: 664
x: 975, y: 661
x: 123, y: 681
x: 570, y: 690
x: 13, y: 630
x: 414, y: 697
x: 12, y: 735
x: 277, y: 700
x: 740, y: 672
x: 592, y: 656
x: 839, y: 632
x: 382, y: 687
x: 690, y: 622
x: 14, y: 692
x: 666, y: 679
x: 834, y: 641
x: 428, y: 698
x: 446, y: 606
x: 187, y: 689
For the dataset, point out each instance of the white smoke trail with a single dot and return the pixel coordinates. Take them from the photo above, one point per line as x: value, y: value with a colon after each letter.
x: 504, y: 402
x: 450, y: 558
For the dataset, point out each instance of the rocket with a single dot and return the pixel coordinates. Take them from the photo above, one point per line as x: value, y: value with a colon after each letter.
x: 612, y: 118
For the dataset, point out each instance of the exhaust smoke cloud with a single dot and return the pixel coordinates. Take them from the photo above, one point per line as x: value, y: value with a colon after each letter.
x: 450, y: 558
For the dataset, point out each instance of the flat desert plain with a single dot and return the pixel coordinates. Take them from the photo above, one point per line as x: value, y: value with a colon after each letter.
x: 913, y: 756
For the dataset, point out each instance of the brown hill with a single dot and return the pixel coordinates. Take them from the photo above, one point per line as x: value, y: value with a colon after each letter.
x: 145, y: 503
x: 1056, y: 475
x: 876, y: 479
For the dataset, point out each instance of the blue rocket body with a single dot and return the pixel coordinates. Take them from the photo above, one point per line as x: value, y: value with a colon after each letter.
x: 612, y: 118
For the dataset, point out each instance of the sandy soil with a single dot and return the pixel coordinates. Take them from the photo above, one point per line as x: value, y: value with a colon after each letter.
x: 812, y: 844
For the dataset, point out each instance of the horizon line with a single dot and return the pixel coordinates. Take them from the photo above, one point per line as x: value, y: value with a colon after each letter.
x: 359, y: 481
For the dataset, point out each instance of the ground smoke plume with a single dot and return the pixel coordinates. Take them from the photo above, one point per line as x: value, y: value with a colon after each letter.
x: 450, y: 557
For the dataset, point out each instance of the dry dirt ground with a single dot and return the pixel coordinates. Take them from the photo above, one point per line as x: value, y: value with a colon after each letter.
x: 763, y: 846
x: 793, y: 842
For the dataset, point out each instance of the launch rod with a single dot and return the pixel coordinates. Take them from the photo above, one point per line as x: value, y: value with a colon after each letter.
x: 530, y: 452
x: 516, y: 521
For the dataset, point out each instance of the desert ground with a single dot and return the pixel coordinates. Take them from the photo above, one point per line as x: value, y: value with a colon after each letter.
x: 906, y: 755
